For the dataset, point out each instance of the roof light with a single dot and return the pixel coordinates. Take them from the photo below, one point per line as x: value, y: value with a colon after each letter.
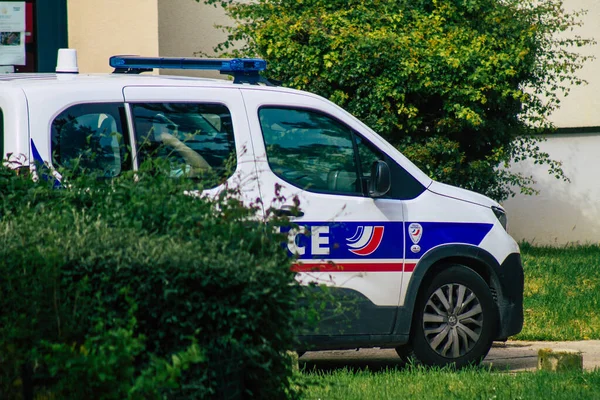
x: 66, y: 62
x: 242, y: 69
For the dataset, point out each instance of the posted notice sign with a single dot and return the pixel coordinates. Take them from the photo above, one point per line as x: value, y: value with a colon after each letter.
x: 12, y: 33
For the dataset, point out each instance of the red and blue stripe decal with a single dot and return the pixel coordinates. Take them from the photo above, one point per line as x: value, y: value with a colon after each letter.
x: 366, y: 240
x: 375, y: 246
x: 379, y: 266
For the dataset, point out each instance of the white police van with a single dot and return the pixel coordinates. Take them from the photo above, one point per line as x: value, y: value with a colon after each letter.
x: 419, y: 266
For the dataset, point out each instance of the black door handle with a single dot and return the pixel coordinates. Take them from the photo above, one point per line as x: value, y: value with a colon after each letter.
x: 288, y: 211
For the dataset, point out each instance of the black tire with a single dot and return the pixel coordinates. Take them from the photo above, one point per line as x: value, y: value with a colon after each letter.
x: 455, y: 319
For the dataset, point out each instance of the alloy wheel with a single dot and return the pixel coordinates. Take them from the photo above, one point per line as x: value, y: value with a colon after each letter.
x: 452, y: 320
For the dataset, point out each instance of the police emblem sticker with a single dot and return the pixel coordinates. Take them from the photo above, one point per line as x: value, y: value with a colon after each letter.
x: 415, y: 248
x: 415, y: 231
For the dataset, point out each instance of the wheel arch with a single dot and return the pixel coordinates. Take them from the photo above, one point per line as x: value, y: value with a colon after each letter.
x: 438, y: 259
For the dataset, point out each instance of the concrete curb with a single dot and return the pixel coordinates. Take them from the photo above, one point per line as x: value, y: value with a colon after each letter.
x: 522, y: 356
x: 511, y: 356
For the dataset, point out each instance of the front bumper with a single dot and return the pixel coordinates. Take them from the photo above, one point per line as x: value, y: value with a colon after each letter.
x: 510, y: 297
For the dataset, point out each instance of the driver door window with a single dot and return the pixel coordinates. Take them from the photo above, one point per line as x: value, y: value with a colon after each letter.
x: 310, y: 150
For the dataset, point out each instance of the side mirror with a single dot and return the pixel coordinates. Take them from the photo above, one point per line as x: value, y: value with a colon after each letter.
x: 381, y: 179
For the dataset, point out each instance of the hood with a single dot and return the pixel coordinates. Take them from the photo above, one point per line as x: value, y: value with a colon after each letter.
x: 461, y: 194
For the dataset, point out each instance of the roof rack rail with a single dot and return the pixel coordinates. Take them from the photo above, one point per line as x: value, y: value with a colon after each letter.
x: 243, y: 70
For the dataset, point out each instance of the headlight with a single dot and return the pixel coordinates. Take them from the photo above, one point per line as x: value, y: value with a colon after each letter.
x: 501, y: 215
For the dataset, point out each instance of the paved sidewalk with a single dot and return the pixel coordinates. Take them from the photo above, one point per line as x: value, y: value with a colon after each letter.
x: 522, y: 356
x: 509, y: 356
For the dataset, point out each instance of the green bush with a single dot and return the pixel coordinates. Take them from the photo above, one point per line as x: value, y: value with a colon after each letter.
x: 461, y: 85
x: 189, y: 270
x: 103, y: 367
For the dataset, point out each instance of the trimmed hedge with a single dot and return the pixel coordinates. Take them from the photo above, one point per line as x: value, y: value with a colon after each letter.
x: 183, y: 297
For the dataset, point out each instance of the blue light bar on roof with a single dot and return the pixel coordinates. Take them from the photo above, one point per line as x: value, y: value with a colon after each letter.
x: 225, y: 65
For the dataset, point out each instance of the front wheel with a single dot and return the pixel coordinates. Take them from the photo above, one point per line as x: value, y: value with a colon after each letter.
x: 455, y: 319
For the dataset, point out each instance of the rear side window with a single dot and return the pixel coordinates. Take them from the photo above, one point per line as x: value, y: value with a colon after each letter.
x: 92, y: 137
x: 195, y: 139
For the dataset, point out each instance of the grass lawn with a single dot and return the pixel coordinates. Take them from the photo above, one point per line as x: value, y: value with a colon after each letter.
x: 562, y: 302
x: 562, y: 293
x: 475, y: 383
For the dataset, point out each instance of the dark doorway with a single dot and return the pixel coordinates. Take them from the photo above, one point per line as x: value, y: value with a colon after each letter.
x: 46, y: 32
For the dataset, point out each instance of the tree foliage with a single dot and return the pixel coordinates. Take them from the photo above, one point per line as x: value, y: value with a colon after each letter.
x: 462, y: 87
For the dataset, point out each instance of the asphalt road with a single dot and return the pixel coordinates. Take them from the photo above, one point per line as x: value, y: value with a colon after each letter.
x: 509, y: 356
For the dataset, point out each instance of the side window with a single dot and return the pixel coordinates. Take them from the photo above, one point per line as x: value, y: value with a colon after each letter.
x: 404, y: 186
x: 93, y: 137
x: 310, y: 150
x: 367, y: 155
x: 194, y: 138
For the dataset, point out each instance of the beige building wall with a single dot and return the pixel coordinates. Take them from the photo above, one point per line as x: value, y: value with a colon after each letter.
x: 567, y: 212
x: 188, y: 29
x: 563, y: 212
x: 581, y: 108
x: 100, y: 29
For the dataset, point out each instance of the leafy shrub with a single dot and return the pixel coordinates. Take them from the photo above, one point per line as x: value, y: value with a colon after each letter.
x: 196, y: 271
x: 103, y: 367
x: 480, y: 76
